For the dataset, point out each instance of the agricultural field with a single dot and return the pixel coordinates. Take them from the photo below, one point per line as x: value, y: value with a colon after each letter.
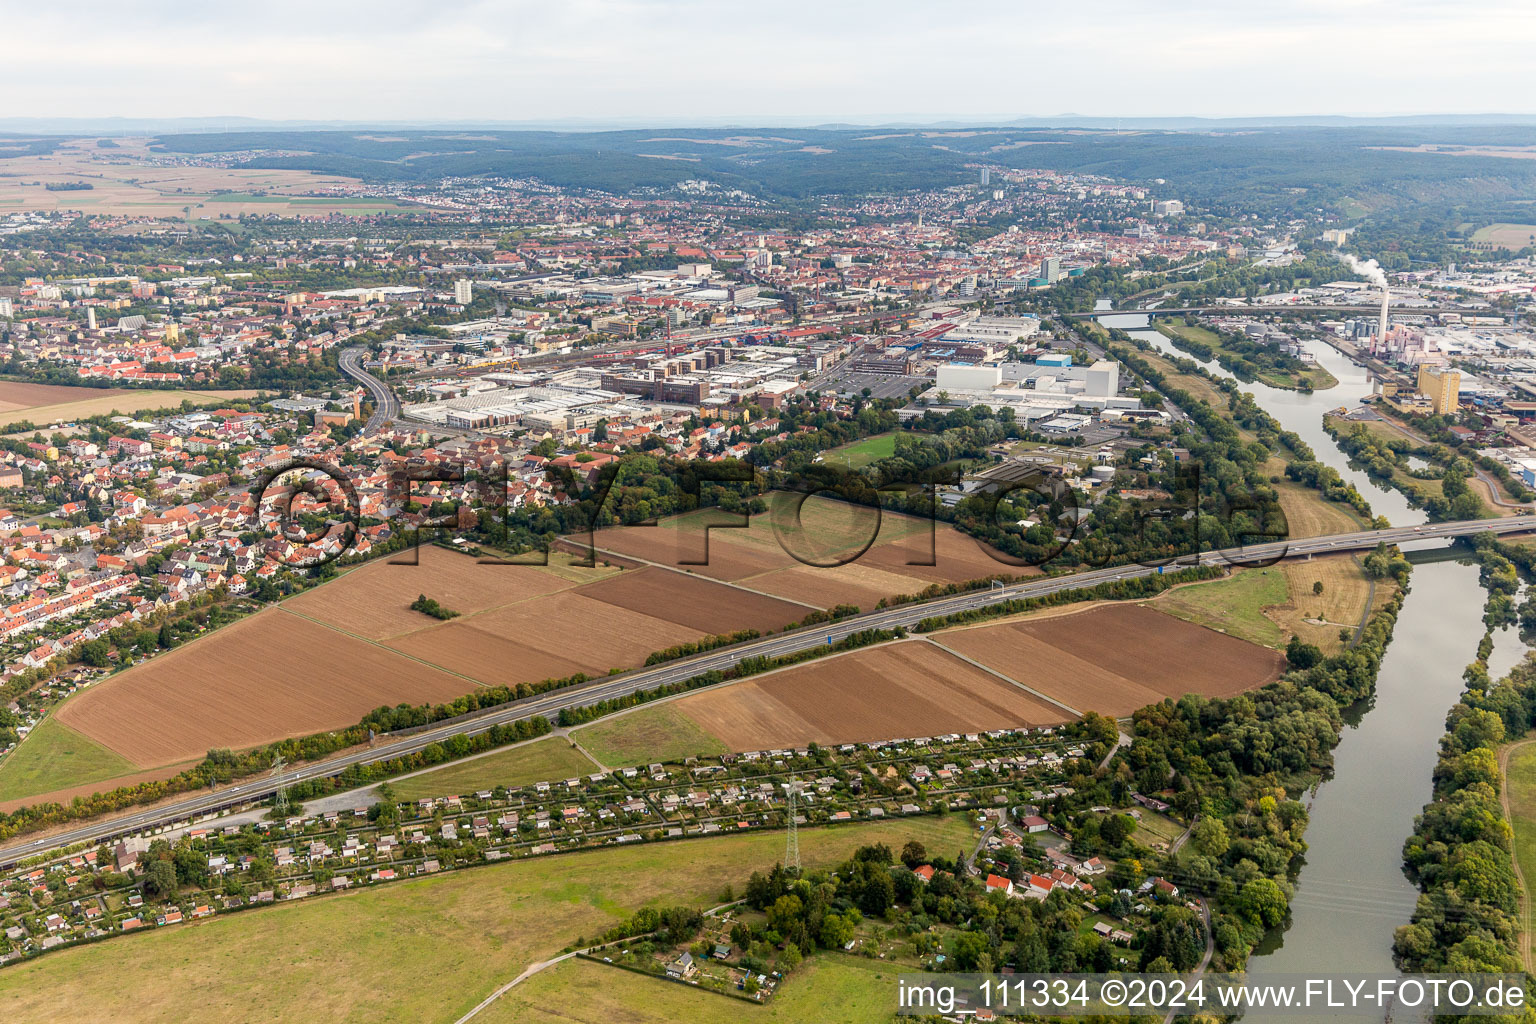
x: 567, y: 629
x: 824, y: 553
x: 662, y: 732
x: 1192, y: 383
x: 1506, y: 236
x: 269, y: 676
x: 411, y: 952
x: 353, y: 644
x: 693, y: 602
x: 43, y: 404
x: 123, y: 180
x: 373, y: 600
x: 1114, y: 658
x: 1318, y: 618
x: 539, y: 761
x: 826, y: 989
x: 18, y: 395
x: 908, y: 688
x: 53, y: 756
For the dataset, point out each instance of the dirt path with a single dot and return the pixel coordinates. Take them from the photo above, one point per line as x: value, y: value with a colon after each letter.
x: 529, y: 972
x: 1525, y: 892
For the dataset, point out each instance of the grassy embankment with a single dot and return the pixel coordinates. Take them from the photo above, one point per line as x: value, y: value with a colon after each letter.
x: 543, y: 760
x: 54, y: 756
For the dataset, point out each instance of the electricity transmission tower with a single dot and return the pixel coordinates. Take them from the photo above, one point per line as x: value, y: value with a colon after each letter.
x: 280, y: 797
x: 792, y: 842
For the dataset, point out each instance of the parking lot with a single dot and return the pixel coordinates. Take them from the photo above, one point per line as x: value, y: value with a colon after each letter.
x: 881, y: 385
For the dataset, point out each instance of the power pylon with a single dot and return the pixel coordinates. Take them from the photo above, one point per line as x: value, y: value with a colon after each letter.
x: 280, y: 796
x: 792, y: 842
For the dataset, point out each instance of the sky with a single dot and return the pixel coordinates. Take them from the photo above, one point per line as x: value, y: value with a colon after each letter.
x: 785, y: 61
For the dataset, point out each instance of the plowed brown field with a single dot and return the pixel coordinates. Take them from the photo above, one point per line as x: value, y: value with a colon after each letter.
x: 1115, y: 658
x: 910, y: 688
x: 693, y: 602
x: 795, y: 558
x: 264, y: 678
x: 328, y: 656
x: 679, y: 544
x: 374, y: 600
x: 591, y: 635
x: 858, y: 583
x: 16, y: 395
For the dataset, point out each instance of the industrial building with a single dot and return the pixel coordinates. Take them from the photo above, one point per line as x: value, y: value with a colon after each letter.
x: 1442, y: 386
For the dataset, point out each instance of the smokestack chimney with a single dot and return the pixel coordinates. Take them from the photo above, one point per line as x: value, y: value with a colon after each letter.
x: 1381, y: 333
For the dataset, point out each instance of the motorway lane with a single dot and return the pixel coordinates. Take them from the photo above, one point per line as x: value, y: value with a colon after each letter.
x: 596, y: 690
x: 385, y: 405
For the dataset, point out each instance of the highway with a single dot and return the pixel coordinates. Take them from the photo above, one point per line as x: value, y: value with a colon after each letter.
x: 385, y: 405
x: 1270, y: 309
x: 594, y: 690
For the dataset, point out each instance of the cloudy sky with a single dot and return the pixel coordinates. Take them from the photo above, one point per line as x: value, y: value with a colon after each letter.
x: 793, y: 61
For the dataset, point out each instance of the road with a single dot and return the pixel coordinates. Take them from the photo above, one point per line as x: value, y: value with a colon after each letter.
x: 592, y: 691
x: 385, y: 405
x: 1269, y: 309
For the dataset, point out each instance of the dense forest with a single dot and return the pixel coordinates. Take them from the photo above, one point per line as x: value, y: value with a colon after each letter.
x: 1225, y: 170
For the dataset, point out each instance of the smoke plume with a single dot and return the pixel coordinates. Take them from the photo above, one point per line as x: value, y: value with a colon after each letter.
x: 1367, y: 269
x: 1372, y: 270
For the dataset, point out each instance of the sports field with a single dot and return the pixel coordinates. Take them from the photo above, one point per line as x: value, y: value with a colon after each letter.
x: 409, y: 952
x: 862, y: 452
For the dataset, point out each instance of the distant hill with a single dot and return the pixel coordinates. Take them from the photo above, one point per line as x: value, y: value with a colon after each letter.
x: 1217, y: 160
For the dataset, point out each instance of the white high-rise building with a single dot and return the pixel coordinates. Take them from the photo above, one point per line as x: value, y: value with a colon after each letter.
x: 463, y: 291
x: 90, y: 318
x: 7, y: 310
x: 986, y: 175
x: 1050, y: 269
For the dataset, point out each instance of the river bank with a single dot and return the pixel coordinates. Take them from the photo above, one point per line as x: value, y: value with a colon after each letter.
x: 1351, y: 893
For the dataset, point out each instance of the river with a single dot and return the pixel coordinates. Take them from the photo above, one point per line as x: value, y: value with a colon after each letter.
x: 1352, y: 893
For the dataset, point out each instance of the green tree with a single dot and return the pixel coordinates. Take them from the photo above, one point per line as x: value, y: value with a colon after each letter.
x: 914, y: 855
x: 95, y: 653
x: 1210, y: 837
x: 1262, y: 901
x: 160, y: 879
